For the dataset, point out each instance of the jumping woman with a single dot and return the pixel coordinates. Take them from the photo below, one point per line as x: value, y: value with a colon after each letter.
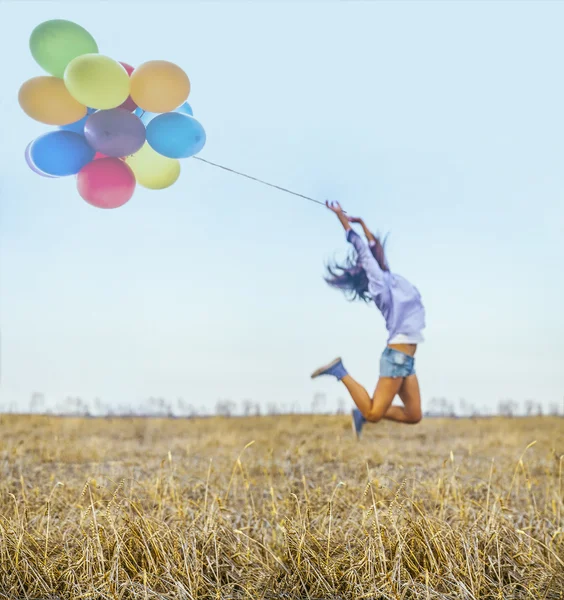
x: 366, y: 276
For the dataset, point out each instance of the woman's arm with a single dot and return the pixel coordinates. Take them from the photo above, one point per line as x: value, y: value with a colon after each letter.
x: 369, y: 235
x: 336, y: 208
x: 369, y: 263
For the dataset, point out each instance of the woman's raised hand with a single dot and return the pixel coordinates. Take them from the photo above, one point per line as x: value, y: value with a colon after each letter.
x: 334, y: 207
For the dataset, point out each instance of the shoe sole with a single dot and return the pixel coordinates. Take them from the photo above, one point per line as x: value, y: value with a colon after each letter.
x: 321, y: 370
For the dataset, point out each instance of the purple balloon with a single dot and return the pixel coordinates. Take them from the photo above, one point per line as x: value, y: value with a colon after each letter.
x: 32, y: 166
x: 115, y: 132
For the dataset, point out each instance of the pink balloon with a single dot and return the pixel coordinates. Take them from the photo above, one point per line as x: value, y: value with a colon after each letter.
x: 106, y: 183
x: 128, y: 104
x: 32, y: 166
x: 127, y: 67
x: 100, y: 155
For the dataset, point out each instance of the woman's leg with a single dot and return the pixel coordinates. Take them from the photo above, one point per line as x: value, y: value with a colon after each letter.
x: 410, y: 395
x: 372, y: 409
x: 375, y: 408
x: 380, y: 405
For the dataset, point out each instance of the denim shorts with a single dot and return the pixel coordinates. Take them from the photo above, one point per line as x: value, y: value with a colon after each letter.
x: 396, y: 364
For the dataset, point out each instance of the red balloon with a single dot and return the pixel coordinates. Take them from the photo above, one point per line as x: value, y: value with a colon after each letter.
x: 128, y: 104
x: 106, y: 183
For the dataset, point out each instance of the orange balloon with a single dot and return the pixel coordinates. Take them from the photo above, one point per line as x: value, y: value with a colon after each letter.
x: 159, y: 86
x: 47, y: 100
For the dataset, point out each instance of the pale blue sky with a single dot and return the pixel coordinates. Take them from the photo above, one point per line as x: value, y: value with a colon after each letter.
x: 440, y: 121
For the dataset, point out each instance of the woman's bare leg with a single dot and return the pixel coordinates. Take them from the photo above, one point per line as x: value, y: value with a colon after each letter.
x: 380, y: 405
x: 375, y: 408
x: 410, y: 395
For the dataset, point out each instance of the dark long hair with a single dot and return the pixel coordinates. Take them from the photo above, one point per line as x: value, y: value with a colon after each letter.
x: 350, y: 277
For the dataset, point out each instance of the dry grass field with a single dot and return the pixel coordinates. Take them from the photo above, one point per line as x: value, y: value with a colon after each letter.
x: 281, y: 507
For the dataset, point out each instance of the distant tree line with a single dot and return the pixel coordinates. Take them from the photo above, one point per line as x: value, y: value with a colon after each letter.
x: 506, y: 407
x: 226, y: 407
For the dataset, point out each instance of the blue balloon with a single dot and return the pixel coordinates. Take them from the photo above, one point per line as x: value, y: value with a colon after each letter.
x: 146, y: 116
x: 186, y: 109
x: 176, y: 135
x: 78, y: 126
x: 61, y: 153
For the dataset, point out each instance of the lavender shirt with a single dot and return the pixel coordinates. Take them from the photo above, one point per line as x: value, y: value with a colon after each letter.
x: 398, y: 300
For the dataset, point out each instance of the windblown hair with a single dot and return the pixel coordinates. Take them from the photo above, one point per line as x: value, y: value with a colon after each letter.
x: 350, y: 277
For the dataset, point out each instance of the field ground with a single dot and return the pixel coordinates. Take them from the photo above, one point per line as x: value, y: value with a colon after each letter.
x: 186, y: 509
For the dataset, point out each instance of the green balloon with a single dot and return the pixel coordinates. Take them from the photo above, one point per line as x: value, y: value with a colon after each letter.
x: 55, y: 43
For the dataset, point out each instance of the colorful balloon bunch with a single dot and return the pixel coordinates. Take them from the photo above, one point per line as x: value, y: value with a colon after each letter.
x: 117, y: 125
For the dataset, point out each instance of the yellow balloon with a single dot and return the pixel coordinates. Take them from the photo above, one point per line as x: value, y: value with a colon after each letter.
x: 97, y: 81
x: 153, y: 170
x: 159, y: 86
x: 47, y: 100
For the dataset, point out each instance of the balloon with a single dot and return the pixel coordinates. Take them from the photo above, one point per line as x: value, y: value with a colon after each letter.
x: 32, y: 166
x: 127, y: 67
x: 128, y: 104
x: 60, y: 153
x: 55, y: 43
x: 78, y: 126
x: 99, y: 155
x: 47, y: 100
x: 159, y: 86
x: 176, y: 135
x: 98, y: 81
x: 186, y: 109
x: 147, y: 116
x: 116, y: 132
x: 106, y: 183
x: 152, y: 170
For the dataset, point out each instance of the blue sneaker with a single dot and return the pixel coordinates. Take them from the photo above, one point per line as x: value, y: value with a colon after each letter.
x: 334, y: 368
x: 357, y: 422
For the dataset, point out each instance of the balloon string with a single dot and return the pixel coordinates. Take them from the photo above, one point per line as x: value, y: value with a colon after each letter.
x: 258, y: 180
